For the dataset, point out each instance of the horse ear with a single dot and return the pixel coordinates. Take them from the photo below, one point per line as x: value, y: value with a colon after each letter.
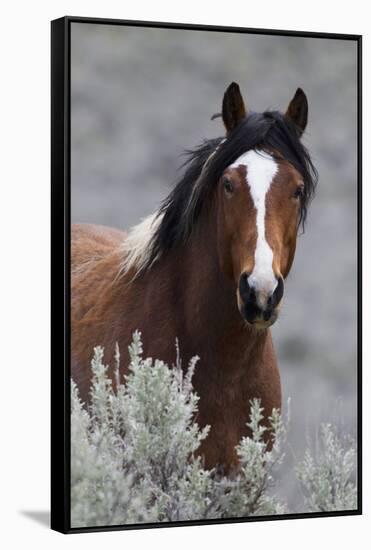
x: 297, y: 111
x: 233, y: 110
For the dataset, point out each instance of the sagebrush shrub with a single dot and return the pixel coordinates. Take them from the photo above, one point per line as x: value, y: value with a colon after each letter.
x: 327, y: 474
x: 133, y: 453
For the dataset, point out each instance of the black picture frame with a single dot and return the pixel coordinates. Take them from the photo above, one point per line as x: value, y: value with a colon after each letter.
x: 60, y: 267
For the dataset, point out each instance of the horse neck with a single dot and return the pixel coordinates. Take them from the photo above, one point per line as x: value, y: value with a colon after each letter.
x: 210, y: 305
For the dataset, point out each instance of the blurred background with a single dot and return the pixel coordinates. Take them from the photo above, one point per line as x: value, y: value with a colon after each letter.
x: 141, y: 96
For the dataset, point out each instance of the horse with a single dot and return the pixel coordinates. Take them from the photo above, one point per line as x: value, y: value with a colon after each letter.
x: 207, y: 268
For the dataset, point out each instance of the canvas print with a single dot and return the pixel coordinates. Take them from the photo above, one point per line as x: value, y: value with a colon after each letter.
x: 213, y: 299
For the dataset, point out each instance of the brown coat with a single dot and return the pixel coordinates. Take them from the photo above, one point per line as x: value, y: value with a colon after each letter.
x: 183, y: 296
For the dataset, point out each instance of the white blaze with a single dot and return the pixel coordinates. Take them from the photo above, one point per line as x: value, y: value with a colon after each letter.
x: 260, y: 171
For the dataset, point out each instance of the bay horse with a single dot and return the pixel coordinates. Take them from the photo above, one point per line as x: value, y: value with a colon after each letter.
x: 207, y: 268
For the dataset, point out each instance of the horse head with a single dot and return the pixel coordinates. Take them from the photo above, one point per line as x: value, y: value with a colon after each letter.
x: 261, y: 199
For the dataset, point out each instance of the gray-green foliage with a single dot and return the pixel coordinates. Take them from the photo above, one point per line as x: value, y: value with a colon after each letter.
x: 327, y: 475
x: 133, y: 452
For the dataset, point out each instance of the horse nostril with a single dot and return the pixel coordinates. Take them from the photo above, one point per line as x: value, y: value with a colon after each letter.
x: 276, y: 297
x: 247, y: 293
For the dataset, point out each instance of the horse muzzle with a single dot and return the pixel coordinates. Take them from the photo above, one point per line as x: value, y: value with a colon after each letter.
x: 259, y: 307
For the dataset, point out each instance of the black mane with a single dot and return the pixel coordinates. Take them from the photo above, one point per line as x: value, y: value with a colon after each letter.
x: 269, y: 131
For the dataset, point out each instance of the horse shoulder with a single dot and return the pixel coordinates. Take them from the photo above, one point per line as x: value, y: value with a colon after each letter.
x: 95, y: 263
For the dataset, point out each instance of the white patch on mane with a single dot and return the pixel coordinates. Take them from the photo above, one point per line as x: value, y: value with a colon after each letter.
x: 260, y: 171
x: 136, y: 247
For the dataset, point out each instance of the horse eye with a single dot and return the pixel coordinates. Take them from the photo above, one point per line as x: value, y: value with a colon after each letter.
x: 299, y: 192
x: 228, y: 185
